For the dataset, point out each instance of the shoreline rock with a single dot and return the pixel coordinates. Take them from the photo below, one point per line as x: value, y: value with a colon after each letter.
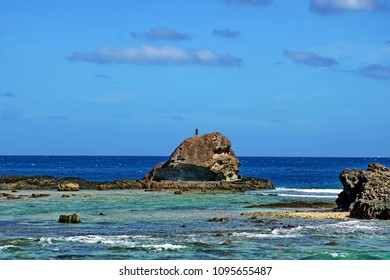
x: 11, y: 182
x: 366, y: 194
x: 68, y: 187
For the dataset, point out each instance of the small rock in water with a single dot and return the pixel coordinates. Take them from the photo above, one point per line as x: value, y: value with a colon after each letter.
x: 217, y: 219
x: 229, y: 241
x: 37, y: 195
x: 74, y: 219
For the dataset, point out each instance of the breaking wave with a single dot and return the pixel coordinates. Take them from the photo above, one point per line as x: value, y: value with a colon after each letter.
x: 125, y: 241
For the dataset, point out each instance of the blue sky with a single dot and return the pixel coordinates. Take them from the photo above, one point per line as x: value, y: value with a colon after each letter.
x: 278, y: 78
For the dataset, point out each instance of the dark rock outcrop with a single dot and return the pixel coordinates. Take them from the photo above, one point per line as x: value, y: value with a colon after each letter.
x: 366, y: 194
x: 204, y: 158
x: 74, y: 219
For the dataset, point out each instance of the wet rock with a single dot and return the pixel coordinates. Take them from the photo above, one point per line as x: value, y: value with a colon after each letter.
x: 229, y: 241
x: 74, y: 218
x: 366, y: 194
x: 272, y: 222
x: 102, y: 188
x: 38, y: 195
x: 218, y: 219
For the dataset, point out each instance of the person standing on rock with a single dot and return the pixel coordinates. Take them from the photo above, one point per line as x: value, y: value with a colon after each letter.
x: 196, y: 131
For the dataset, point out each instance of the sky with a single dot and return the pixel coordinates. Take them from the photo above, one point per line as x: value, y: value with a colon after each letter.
x: 136, y: 77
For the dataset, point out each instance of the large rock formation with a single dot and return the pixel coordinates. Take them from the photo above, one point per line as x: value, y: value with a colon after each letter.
x: 204, y: 158
x: 366, y: 194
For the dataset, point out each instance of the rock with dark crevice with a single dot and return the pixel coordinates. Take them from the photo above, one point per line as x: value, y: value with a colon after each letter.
x: 205, y: 158
x: 366, y: 194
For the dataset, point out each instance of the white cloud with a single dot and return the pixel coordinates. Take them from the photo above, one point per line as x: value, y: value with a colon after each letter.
x: 310, y: 58
x: 375, y: 71
x: 161, y: 33
x: 150, y: 55
x: 326, y: 7
x: 226, y: 33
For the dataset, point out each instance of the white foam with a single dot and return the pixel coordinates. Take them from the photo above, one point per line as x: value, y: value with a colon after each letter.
x: 162, y: 247
x: 5, y: 247
x: 276, y: 233
x: 335, y: 191
x: 311, y: 196
x: 347, y: 227
x: 337, y: 255
x: 46, y: 240
x: 125, y: 241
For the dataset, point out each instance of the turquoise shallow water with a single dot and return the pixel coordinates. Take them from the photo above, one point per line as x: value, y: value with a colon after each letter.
x: 161, y: 225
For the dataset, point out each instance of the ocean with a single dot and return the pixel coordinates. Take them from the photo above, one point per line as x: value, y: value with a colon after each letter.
x: 134, y: 224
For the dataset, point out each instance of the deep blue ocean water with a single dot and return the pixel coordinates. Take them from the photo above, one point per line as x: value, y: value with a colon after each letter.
x: 161, y: 225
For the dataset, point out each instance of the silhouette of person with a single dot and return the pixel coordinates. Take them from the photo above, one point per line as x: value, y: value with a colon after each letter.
x: 196, y: 131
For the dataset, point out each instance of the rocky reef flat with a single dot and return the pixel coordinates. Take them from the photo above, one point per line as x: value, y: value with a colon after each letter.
x: 15, y: 183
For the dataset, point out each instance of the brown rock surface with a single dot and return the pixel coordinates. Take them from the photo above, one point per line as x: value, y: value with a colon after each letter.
x: 204, y: 158
x: 68, y: 186
x: 366, y: 194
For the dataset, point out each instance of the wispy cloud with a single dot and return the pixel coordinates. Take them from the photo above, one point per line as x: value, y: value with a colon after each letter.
x: 7, y: 94
x: 149, y: 55
x: 177, y: 118
x: 328, y: 7
x: 160, y: 34
x: 102, y: 76
x: 310, y: 58
x: 11, y: 114
x: 226, y: 33
x: 248, y: 2
x: 375, y: 71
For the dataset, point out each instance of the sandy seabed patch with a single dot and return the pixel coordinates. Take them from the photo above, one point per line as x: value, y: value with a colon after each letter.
x: 303, y: 215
